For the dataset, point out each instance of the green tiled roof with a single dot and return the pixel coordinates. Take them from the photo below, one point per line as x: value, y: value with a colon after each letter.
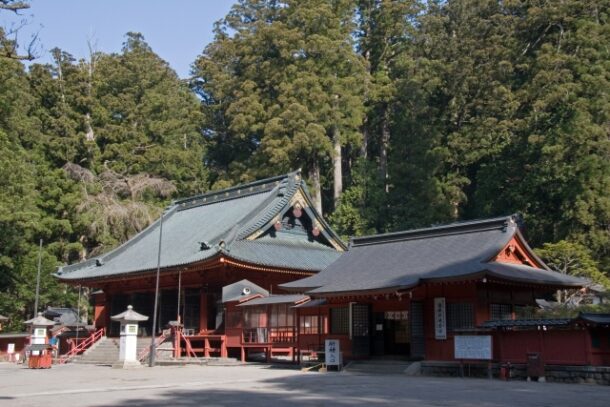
x: 219, y: 223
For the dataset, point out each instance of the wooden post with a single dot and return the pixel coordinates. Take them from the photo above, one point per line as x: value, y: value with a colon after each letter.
x: 223, y: 347
x: 177, y: 347
x: 203, y: 311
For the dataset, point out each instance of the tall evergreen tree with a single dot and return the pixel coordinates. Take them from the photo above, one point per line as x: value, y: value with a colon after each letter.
x: 283, y: 90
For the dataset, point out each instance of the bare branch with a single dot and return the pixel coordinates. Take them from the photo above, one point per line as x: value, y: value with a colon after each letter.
x: 15, y: 7
x: 9, y: 43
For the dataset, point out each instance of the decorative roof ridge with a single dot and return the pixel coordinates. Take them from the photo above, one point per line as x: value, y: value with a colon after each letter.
x: 237, y: 191
x: 299, y: 243
x: 327, y: 230
x: 266, y: 217
x: 455, y: 228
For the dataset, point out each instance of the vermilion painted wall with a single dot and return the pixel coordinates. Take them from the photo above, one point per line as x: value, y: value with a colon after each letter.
x: 570, y: 346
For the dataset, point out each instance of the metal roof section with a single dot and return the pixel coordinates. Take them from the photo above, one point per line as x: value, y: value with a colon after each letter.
x: 277, y: 299
x: 39, y: 320
x: 242, y: 290
x: 65, y: 316
x: 284, y: 253
x: 15, y: 335
x: 226, y: 222
x: 402, y: 260
x: 594, y: 319
x: 525, y: 323
x: 586, y: 318
x: 317, y: 302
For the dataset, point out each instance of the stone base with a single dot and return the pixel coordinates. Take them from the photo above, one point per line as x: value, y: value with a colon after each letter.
x: 552, y: 373
x: 127, y: 364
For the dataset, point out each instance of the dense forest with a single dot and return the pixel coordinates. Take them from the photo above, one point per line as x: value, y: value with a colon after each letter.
x: 401, y: 114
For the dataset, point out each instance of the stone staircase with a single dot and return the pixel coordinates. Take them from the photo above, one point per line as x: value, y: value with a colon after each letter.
x: 382, y: 367
x: 103, y: 352
x: 106, y: 352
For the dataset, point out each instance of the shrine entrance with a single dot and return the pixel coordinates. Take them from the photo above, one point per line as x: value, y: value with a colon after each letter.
x: 391, y: 333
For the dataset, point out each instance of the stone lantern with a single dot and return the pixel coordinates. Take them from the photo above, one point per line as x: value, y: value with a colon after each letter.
x: 40, y: 355
x: 40, y: 329
x: 129, y: 337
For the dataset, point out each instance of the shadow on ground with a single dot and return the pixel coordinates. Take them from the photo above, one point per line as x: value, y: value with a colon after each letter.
x: 347, y: 390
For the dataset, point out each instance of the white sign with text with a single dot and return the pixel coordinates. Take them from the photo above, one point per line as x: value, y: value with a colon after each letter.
x: 332, y: 352
x: 476, y: 347
x: 440, y: 319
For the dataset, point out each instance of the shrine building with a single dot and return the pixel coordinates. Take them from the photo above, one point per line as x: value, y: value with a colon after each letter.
x: 408, y: 293
x: 256, y: 268
x: 266, y: 231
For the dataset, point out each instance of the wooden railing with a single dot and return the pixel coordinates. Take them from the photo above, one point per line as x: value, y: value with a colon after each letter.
x: 273, y: 335
x: 83, y: 346
x: 210, y: 344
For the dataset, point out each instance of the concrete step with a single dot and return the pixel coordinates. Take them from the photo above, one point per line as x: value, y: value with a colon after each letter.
x: 381, y: 367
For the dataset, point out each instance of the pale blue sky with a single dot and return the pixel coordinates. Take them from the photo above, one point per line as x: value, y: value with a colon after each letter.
x: 177, y: 30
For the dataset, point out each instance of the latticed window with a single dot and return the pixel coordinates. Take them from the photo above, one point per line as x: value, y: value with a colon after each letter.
x: 460, y: 316
x: 500, y: 311
x: 339, y: 321
x: 255, y: 317
x: 309, y: 324
x: 281, y: 315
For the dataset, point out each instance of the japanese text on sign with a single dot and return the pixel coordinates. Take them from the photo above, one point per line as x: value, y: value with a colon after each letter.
x: 332, y: 352
x: 440, y: 319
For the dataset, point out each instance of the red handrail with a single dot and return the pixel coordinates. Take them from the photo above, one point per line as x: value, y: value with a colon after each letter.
x: 81, y: 347
x: 146, y: 351
x: 187, y: 346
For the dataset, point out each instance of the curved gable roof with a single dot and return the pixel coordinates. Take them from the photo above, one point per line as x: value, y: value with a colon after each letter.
x: 219, y: 222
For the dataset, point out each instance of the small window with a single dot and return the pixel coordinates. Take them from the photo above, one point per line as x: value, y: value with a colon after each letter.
x: 281, y: 316
x: 339, y: 321
x: 460, y: 316
x: 500, y: 312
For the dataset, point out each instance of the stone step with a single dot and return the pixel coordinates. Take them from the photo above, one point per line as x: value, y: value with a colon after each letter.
x: 377, y: 367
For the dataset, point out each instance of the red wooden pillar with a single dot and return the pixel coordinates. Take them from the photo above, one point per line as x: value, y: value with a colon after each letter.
x: 177, y: 348
x: 223, y: 347
x: 203, y: 311
x: 99, y: 310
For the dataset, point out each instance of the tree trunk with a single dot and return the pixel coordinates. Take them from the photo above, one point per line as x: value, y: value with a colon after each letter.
x: 337, y: 170
x: 314, y: 176
x: 383, y: 150
x: 364, y: 147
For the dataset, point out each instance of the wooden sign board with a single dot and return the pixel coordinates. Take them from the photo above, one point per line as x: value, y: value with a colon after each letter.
x: 440, y: 319
x: 472, y: 347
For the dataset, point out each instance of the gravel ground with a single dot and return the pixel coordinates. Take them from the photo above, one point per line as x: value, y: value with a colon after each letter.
x: 260, y: 385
